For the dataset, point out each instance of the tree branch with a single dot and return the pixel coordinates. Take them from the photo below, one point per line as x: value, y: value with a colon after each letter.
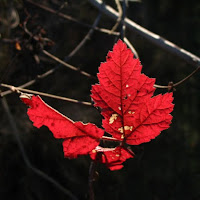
x: 67, y: 17
x: 132, y: 48
x: 91, y: 179
x: 87, y: 37
x: 18, y: 89
x: 119, y: 8
x: 179, y: 82
x: 67, y: 65
x: 123, y: 25
x: 150, y: 36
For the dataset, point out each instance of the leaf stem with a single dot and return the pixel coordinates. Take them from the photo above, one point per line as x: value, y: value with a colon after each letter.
x: 106, y: 138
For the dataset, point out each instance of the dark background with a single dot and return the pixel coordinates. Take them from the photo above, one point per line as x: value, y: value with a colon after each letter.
x: 165, y: 168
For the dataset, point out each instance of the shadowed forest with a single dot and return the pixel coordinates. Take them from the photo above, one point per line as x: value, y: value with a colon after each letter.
x: 56, y: 47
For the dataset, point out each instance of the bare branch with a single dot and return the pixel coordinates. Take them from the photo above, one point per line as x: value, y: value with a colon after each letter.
x: 178, y: 83
x: 51, y: 71
x: 91, y: 179
x: 67, y: 17
x: 87, y: 37
x: 24, y: 155
x: 67, y: 65
x: 119, y: 8
x: 131, y: 47
x: 29, y: 83
x: 152, y: 37
x: 187, y: 77
x: 106, y: 138
x: 123, y: 25
x: 18, y: 89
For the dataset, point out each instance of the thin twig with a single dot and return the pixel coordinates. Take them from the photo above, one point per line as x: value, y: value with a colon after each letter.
x: 123, y: 25
x: 29, y: 83
x: 51, y: 71
x: 24, y: 155
x: 106, y: 138
x: 73, y: 52
x: 68, y: 65
x: 186, y: 78
x: 119, y: 8
x: 83, y: 41
x: 7, y: 40
x: 91, y: 179
x: 179, y: 82
x: 131, y: 47
x: 150, y: 36
x: 64, y: 16
x: 46, y: 95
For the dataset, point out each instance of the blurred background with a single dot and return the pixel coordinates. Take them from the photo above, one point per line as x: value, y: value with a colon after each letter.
x: 165, y: 168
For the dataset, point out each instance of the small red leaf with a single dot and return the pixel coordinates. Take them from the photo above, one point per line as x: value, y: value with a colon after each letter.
x: 124, y: 95
x: 76, y: 135
x: 112, y: 157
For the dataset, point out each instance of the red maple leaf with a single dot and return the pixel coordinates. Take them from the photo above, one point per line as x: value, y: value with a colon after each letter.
x: 124, y: 95
x: 112, y: 157
x: 79, y: 138
x: 131, y: 114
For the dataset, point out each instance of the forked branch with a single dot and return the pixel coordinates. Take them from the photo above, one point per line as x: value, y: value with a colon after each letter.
x: 67, y: 17
x: 150, y: 36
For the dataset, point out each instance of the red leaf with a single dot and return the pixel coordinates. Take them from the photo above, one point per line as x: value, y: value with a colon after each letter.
x: 130, y: 112
x: 124, y: 94
x: 79, y: 138
x: 113, y: 158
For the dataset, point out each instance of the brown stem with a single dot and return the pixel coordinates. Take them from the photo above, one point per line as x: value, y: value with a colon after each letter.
x: 51, y: 71
x: 67, y: 65
x: 91, y: 179
x: 17, y: 89
x: 87, y: 37
x: 179, y: 82
x: 70, y: 18
x: 106, y: 138
x: 136, y: 55
x: 187, y: 77
x: 119, y: 8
